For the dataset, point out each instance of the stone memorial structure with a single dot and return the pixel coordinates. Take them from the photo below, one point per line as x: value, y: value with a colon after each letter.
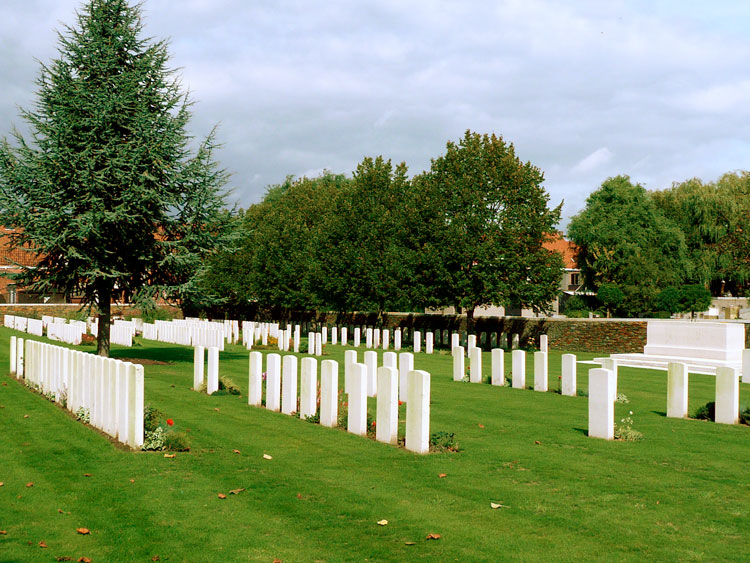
x: 602, y: 387
x: 386, y: 427
x: 418, y: 412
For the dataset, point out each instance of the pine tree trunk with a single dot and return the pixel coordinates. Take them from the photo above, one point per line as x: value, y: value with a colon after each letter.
x: 102, y: 339
x: 470, y: 320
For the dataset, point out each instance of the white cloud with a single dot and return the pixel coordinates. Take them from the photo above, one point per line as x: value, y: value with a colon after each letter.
x: 593, y: 161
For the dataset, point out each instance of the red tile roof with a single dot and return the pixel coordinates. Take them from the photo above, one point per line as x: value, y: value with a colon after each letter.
x: 567, y: 249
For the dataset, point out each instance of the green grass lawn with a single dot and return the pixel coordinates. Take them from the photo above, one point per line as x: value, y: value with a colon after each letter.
x: 680, y: 494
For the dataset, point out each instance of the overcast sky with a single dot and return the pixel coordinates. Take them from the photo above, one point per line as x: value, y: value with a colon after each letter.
x: 658, y: 90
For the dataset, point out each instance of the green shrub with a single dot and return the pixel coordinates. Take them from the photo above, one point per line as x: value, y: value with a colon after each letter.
x: 151, y: 418
x: 176, y: 441
x: 226, y: 387
x: 744, y: 415
x: 706, y: 412
x: 443, y: 442
x: 314, y: 418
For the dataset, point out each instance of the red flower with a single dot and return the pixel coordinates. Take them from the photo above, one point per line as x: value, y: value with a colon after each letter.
x: 170, y: 422
x: 400, y: 403
x: 373, y: 423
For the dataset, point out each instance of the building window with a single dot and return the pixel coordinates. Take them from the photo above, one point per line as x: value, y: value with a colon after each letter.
x: 575, y: 279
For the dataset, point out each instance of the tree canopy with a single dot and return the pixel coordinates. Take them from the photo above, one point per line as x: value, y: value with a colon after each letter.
x: 109, y: 192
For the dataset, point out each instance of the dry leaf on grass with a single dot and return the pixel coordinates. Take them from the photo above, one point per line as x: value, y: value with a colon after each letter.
x: 155, y: 558
x: 216, y: 409
x: 410, y: 543
x: 382, y: 522
x: 169, y: 455
x: 26, y: 416
x: 84, y: 560
x: 30, y: 484
x: 222, y: 496
x: 537, y: 442
x: 87, y: 474
x: 266, y: 456
x: 63, y: 558
x: 443, y: 475
x: 236, y: 491
x: 132, y: 480
x: 3, y: 532
x: 495, y: 505
x: 481, y: 426
x: 1, y: 483
x: 83, y: 531
x: 433, y: 536
x: 42, y: 544
x: 236, y: 451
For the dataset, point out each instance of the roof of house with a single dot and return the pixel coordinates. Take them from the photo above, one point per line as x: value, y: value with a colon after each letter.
x: 567, y: 249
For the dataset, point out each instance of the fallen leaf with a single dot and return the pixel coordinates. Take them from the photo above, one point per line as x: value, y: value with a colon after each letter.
x: 26, y: 416
x: 537, y: 442
x: 236, y: 491
x: 60, y: 511
x: 1, y: 483
x: 169, y: 455
x: 87, y: 474
x: 443, y: 475
x: 42, y: 544
x: 266, y: 456
x: 433, y: 536
x: 382, y: 522
x: 173, y: 385
x: 216, y: 409
x: 299, y: 495
x: 63, y: 558
x: 481, y: 426
x: 495, y: 505
x: 5, y: 384
x: 155, y: 558
x: 410, y: 543
x: 30, y: 484
x: 222, y: 496
x: 277, y: 561
x: 83, y: 531
x: 84, y: 560
x: 236, y: 451
x: 3, y: 532
x: 132, y: 480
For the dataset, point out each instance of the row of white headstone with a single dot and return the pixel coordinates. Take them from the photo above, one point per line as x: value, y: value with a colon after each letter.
x: 282, y: 382
x: 727, y: 391
x: 518, y: 372
x: 111, y: 390
x: 193, y: 332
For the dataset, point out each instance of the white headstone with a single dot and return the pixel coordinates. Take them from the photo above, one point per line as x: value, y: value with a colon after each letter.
x: 390, y: 360
x: 397, y: 339
x: 343, y: 336
x: 199, y: 366
x: 324, y: 335
x: 350, y: 357
x: 405, y: 366
x: 308, y: 393
x: 297, y: 338
x: 255, y: 380
x: 273, y: 382
x: 371, y: 361
x: 727, y: 396
x: 518, y: 358
x: 356, y: 337
x: 417, y: 342
x: 334, y: 336
x: 329, y: 385
x: 357, y: 416
x: 212, y: 384
x: 311, y: 343
x: 515, y: 342
x: 455, y: 340
x: 498, y: 366
x: 459, y: 369
x: 471, y: 342
x: 611, y: 365
x: 601, y: 405
x: 386, y: 424
x: 475, y: 365
x: 376, y: 338
x: 318, y: 344
x: 289, y: 384
x: 569, y: 384
x: 368, y: 337
x: 543, y: 343
x: 19, y: 357
x: 428, y: 343
x: 386, y: 338
x: 418, y: 412
x: 541, y: 381
x: 13, y: 354
x: 677, y: 390
x: 746, y: 366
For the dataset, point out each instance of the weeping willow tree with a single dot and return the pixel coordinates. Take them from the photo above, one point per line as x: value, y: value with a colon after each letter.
x: 109, y: 192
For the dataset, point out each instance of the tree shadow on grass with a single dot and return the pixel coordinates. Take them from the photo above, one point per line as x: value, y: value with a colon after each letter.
x: 660, y: 413
x: 583, y: 431
x: 170, y: 355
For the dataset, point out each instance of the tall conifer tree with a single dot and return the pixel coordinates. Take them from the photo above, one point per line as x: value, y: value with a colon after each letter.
x: 109, y: 193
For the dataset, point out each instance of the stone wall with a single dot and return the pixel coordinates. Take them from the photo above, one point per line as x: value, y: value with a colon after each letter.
x: 72, y: 310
